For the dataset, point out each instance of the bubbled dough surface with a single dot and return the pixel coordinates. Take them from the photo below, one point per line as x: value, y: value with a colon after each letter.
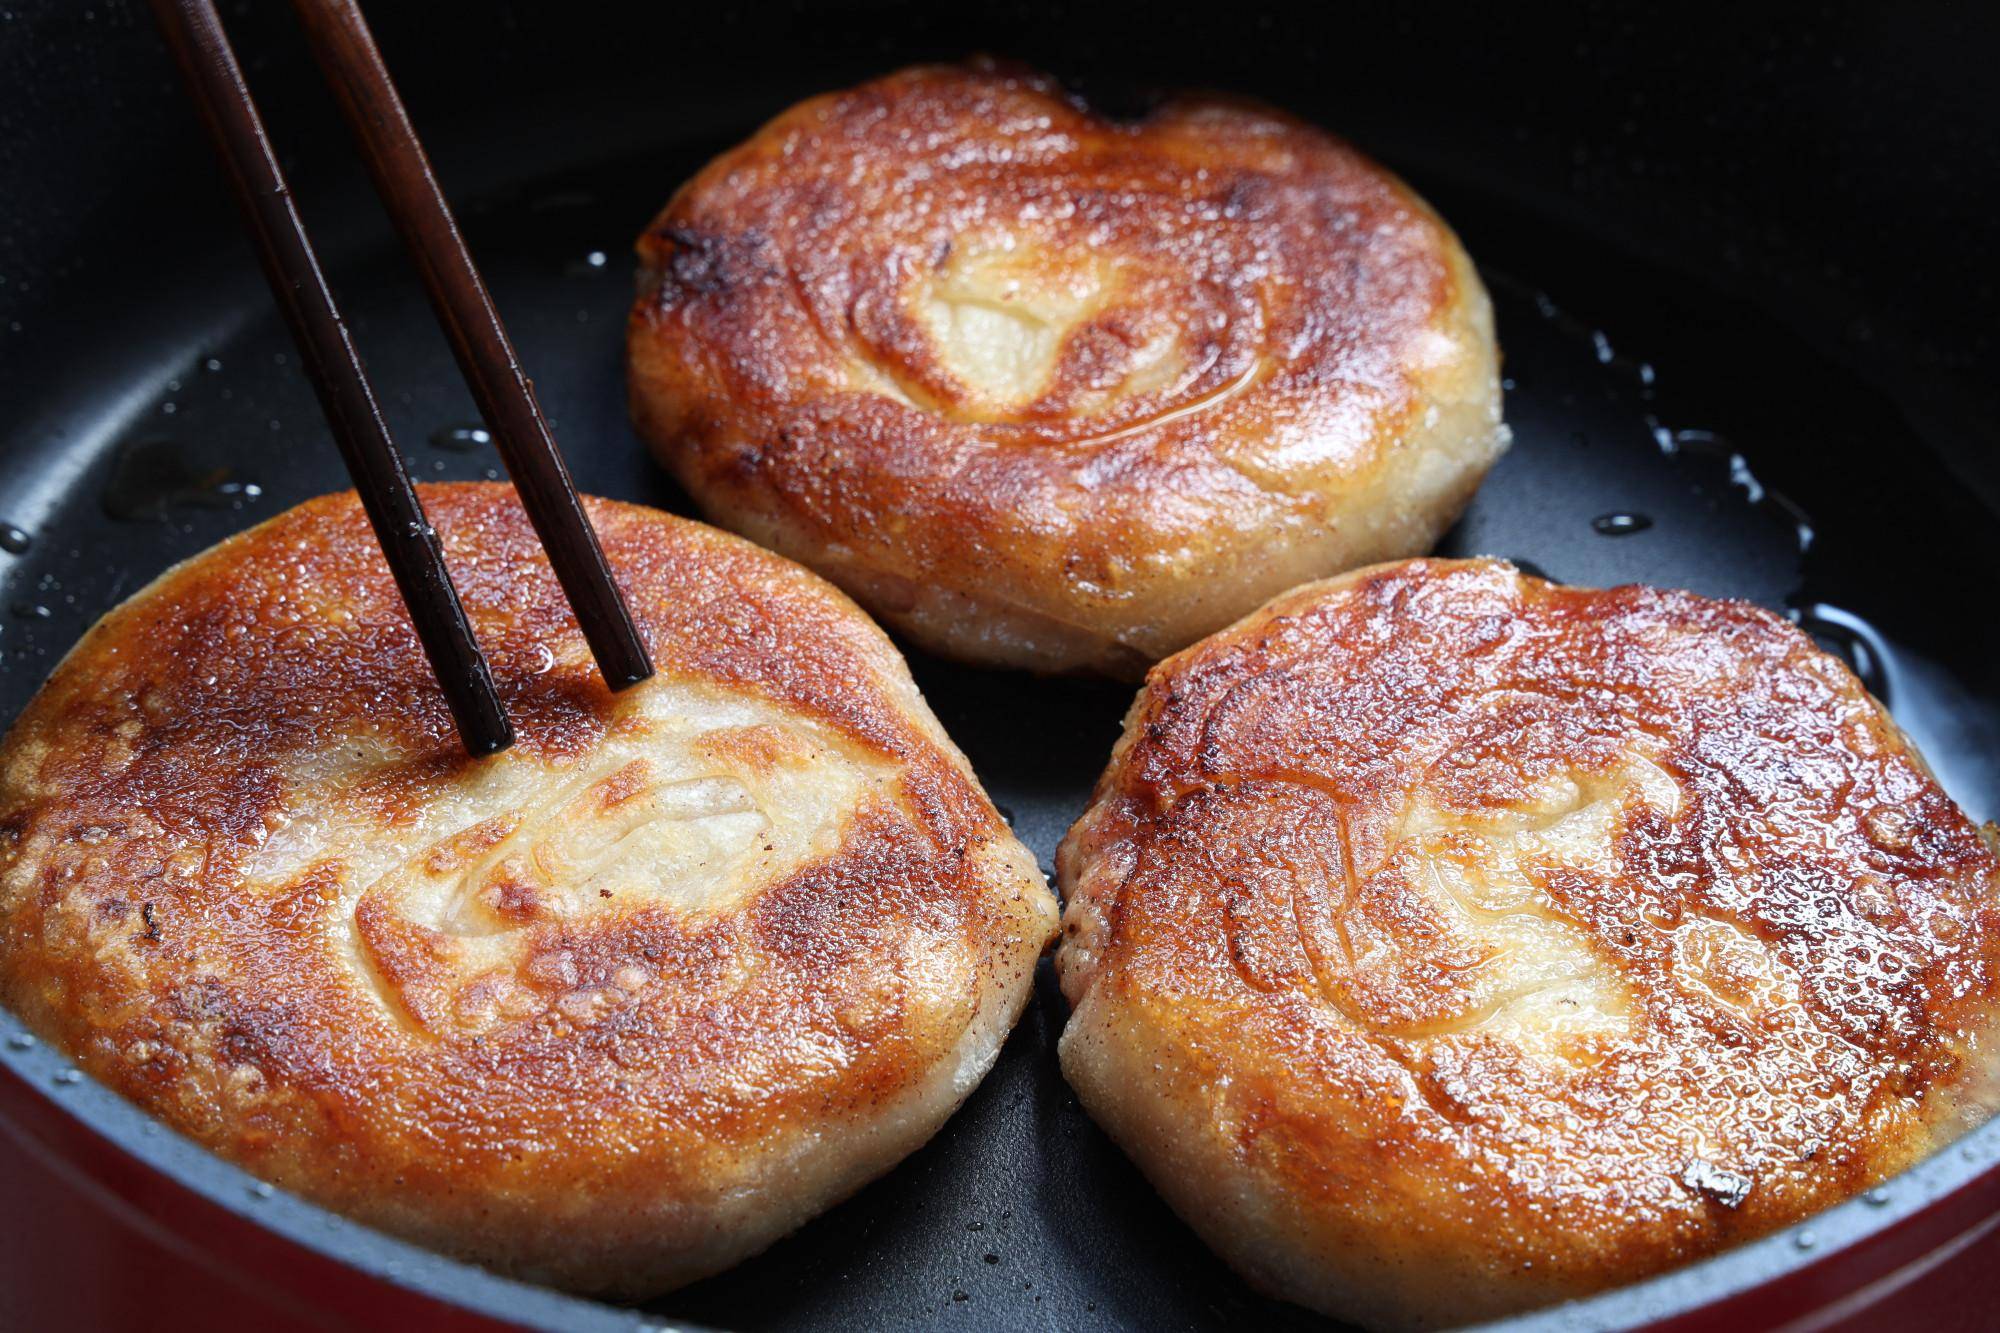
x: 1043, y: 389
x: 1444, y: 942
x: 611, y: 1009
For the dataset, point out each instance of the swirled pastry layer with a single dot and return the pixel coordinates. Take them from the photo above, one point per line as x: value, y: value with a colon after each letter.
x: 1050, y: 390
x: 612, y: 1009
x: 1445, y: 942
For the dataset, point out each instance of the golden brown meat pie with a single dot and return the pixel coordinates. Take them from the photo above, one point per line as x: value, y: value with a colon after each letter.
x: 1444, y: 942
x: 611, y: 1010
x: 1049, y: 390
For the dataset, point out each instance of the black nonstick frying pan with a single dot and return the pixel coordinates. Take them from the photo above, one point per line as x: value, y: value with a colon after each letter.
x: 1744, y: 268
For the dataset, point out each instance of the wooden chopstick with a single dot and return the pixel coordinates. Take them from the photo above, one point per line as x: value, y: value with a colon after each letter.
x: 194, y: 31
x: 347, y: 55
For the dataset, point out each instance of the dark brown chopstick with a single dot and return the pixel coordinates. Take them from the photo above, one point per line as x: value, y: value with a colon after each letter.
x: 347, y: 55
x: 408, y: 541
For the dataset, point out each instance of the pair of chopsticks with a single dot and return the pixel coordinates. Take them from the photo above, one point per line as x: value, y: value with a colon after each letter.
x: 347, y: 56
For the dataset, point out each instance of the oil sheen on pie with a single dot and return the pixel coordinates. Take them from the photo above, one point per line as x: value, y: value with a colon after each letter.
x: 1444, y: 942
x: 612, y: 1009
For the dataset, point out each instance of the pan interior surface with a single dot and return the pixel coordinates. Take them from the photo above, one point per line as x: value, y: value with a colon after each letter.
x: 1665, y: 431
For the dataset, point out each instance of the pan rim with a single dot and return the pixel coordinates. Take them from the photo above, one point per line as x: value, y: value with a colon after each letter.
x: 39, y: 1078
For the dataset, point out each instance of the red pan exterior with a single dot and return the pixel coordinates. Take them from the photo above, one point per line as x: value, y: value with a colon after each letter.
x: 92, y: 1237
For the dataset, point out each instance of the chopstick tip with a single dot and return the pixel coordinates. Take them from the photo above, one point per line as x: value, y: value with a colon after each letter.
x: 490, y: 743
x: 626, y: 678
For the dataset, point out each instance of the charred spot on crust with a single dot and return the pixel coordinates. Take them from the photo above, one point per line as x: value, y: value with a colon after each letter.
x: 705, y: 263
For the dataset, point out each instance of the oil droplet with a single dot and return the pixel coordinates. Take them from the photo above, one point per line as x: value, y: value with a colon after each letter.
x: 212, y: 364
x: 31, y: 611
x: 1708, y: 444
x: 1744, y: 479
x: 153, y: 477
x: 1805, y: 1240
x: 261, y: 1190
x: 596, y: 259
x: 1851, y: 638
x: 1802, y: 525
x: 1620, y: 524
x: 461, y: 439
x: 1877, y: 1198
x: 20, y: 1041
x: 66, y: 1077
x: 13, y: 540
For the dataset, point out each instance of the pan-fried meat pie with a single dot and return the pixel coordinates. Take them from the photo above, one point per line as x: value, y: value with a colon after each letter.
x: 610, y: 1010
x: 1444, y: 942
